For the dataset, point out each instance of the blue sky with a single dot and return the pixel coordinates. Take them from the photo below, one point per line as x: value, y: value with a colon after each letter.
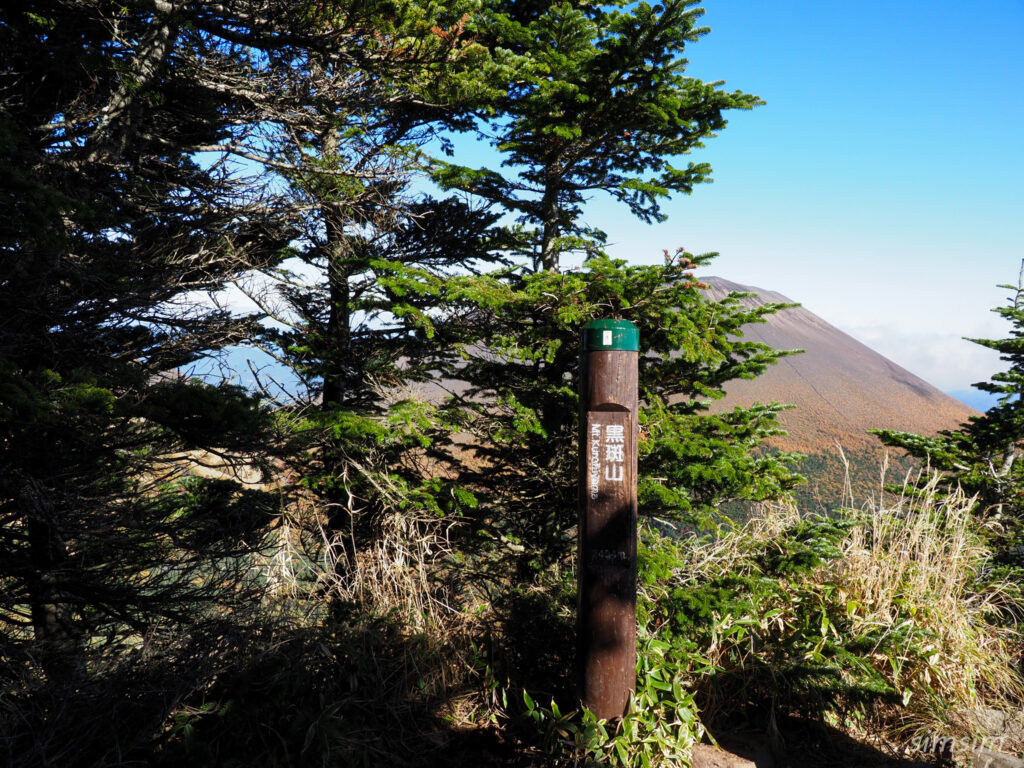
x: 882, y: 183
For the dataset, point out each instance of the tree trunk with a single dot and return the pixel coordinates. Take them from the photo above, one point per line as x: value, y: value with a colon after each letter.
x: 339, y: 333
x: 108, y: 139
x: 551, y: 230
x: 58, y: 640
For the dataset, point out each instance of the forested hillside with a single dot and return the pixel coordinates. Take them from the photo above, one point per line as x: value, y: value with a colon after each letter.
x: 397, y: 585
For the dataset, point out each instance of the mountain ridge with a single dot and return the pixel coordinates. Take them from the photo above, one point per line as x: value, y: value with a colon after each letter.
x: 841, y: 388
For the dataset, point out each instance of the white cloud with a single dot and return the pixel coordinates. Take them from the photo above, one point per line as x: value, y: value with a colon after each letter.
x: 946, y: 361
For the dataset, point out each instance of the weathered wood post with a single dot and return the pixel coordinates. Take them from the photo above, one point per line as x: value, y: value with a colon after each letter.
x: 606, y: 630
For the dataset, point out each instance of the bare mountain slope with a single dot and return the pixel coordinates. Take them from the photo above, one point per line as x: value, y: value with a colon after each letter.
x: 841, y: 388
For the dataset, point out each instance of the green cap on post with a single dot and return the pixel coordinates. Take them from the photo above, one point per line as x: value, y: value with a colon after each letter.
x: 611, y: 334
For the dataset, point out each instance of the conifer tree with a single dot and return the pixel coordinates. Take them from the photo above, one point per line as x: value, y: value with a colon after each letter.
x: 111, y: 229
x: 123, y: 204
x: 603, y: 105
x: 522, y: 400
x: 356, y: 302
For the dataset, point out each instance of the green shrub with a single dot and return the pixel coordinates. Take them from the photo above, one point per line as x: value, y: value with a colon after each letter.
x: 889, y: 618
x: 660, y: 727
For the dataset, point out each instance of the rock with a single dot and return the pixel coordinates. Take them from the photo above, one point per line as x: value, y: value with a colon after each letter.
x: 750, y: 756
x: 999, y: 730
x: 987, y: 758
x: 707, y: 756
x: 997, y: 723
x: 992, y: 722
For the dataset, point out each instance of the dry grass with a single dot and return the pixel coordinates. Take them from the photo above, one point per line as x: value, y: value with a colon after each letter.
x: 398, y: 578
x: 921, y: 558
x: 908, y: 594
x: 914, y: 566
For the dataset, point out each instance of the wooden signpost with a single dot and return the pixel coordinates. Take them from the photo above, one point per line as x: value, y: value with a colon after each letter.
x: 606, y: 631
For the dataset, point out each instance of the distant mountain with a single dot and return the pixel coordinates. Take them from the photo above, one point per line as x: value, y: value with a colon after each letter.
x: 841, y: 389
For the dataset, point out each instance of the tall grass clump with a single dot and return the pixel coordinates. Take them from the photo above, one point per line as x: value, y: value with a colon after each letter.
x: 367, y: 662
x: 888, y: 620
x: 920, y: 567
